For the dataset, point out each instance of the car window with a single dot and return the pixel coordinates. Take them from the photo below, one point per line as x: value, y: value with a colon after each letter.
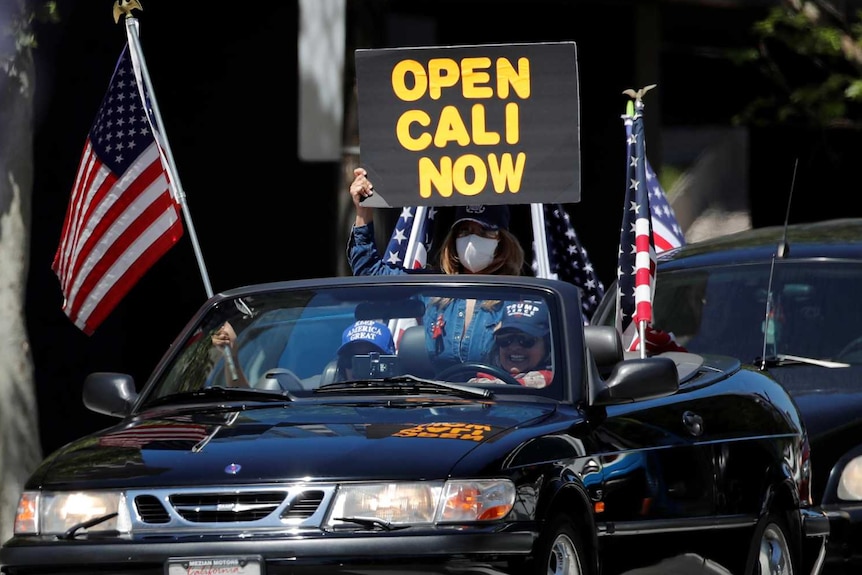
x: 296, y: 341
x: 723, y: 310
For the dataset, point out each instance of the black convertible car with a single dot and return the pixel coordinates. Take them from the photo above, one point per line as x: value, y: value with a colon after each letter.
x: 784, y: 301
x: 281, y: 459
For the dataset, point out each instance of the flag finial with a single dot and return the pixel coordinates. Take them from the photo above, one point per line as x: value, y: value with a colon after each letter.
x: 638, y: 95
x: 124, y: 8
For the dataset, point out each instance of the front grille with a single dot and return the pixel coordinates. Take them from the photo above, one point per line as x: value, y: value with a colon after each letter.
x: 226, y: 507
x: 254, y: 507
x: 304, y: 505
x: 151, y: 510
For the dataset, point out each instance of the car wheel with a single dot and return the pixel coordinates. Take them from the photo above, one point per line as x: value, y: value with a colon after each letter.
x: 771, y: 552
x: 559, y: 550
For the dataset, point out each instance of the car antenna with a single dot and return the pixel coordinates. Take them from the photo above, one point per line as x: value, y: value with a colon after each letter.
x: 782, y: 251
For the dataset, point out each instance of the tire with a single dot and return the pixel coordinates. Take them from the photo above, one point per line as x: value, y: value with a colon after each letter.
x: 771, y: 551
x: 559, y: 550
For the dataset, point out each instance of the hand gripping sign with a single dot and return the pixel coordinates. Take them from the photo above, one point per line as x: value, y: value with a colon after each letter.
x: 468, y: 125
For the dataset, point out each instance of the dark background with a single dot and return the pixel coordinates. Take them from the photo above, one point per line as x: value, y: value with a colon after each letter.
x: 226, y: 83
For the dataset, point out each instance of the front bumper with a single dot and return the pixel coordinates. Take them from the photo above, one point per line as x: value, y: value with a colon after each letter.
x: 464, y: 553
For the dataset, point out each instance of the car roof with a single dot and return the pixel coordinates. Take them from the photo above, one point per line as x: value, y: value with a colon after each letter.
x: 836, y: 239
x: 453, y: 280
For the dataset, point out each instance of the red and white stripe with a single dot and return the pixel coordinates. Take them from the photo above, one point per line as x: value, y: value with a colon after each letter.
x: 115, y: 229
x: 644, y: 271
x: 142, y: 435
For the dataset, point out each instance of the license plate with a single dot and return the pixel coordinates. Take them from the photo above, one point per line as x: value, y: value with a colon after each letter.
x: 215, y: 566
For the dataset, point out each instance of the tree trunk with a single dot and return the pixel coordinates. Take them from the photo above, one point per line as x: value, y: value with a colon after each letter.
x: 20, y: 449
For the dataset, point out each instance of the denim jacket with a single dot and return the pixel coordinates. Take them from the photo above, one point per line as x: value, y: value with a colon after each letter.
x: 451, y: 344
x: 364, y: 258
x: 445, y: 339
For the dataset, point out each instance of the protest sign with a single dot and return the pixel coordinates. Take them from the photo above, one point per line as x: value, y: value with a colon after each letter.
x: 468, y: 125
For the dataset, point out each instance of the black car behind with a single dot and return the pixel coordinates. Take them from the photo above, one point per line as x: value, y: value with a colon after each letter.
x: 784, y: 301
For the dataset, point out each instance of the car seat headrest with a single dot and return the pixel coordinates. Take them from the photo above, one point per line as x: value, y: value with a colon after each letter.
x: 413, y: 353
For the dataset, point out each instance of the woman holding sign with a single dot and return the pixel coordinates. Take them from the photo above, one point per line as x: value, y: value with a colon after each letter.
x: 479, y: 242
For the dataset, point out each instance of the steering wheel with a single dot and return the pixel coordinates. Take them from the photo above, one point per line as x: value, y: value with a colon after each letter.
x: 471, y: 367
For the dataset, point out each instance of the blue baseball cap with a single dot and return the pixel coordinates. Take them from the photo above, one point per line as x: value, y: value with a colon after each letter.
x: 371, y: 331
x: 493, y: 217
x: 530, y: 317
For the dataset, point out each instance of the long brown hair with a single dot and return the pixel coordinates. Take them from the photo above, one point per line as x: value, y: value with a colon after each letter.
x: 508, y: 257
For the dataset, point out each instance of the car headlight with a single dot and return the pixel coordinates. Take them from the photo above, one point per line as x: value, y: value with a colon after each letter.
x: 850, y: 485
x: 423, y: 502
x: 54, y: 513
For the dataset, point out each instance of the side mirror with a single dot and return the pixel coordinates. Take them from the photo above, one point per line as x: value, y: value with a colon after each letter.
x: 636, y: 380
x: 110, y: 393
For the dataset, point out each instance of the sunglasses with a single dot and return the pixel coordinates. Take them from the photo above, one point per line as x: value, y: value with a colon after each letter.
x: 525, y: 341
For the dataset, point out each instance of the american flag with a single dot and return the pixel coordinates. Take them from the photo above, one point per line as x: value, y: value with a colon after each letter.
x: 568, y: 259
x: 666, y: 233
x: 410, y: 240
x: 405, y: 236
x: 121, y: 216
x: 637, y: 255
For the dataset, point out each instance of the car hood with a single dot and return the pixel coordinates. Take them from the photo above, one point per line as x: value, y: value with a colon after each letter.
x: 829, y: 399
x: 330, y: 441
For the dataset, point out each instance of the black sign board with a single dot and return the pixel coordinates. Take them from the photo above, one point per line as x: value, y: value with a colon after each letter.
x: 468, y: 125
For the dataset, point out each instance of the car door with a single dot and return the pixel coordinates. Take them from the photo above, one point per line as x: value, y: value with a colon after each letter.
x: 655, y: 465
x: 657, y: 474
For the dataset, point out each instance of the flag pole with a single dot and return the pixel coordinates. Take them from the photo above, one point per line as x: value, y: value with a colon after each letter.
x: 642, y: 325
x: 632, y: 108
x: 132, y: 34
x: 540, y: 240
x: 140, y: 66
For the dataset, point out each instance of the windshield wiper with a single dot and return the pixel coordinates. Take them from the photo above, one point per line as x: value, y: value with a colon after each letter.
x: 781, y: 359
x: 371, y: 522
x: 402, y: 384
x: 70, y: 532
x: 222, y: 394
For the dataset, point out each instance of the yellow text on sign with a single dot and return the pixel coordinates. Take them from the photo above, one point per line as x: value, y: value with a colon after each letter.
x: 416, y: 130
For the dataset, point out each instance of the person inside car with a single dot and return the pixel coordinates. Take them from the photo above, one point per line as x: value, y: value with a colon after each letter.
x: 478, y: 242
x: 362, y: 338
x: 522, y: 345
x: 224, y: 340
x: 359, y: 338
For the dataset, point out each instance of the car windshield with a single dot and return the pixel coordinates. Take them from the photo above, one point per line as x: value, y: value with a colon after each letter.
x: 315, y: 341
x: 814, y: 311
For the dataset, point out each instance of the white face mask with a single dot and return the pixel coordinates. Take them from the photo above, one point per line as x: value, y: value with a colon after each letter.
x: 475, y: 252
